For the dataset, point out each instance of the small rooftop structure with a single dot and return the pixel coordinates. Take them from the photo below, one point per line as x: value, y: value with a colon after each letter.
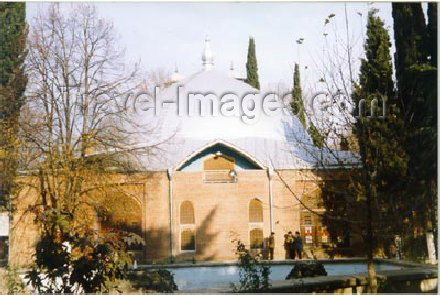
x: 207, y: 56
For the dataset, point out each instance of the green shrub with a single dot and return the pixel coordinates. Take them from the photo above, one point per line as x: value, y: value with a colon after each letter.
x: 80, y: 263
x: 254, y: 276
x: 159, y: 280
x: 15, y: 284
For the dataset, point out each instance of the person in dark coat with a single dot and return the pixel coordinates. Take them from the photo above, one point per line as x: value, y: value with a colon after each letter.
x: 271, y: 245
x: 298, y: 245
x: 290, y: 244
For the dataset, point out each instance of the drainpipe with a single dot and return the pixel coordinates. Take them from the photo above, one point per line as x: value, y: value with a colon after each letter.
x: 269, y: 177
x: 170, y: 195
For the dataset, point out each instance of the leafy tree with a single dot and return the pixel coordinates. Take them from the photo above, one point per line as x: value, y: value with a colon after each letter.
x: 297, y: 99
x: 78, y: 137
x: 251, y: 65
x: 13, y: 80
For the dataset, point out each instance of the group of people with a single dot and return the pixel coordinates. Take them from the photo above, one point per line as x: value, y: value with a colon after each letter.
x: 293, y: 245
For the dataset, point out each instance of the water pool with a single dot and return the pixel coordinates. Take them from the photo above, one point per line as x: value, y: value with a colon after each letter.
x: 188, y: 278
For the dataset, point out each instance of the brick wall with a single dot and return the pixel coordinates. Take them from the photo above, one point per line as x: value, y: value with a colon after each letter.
x: 221, y: 212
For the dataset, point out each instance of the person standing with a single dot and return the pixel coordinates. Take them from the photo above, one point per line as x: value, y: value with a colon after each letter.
x: 298, y: 245
x: 271, y: 245
x: 291, y: 245
x: 286, y: 246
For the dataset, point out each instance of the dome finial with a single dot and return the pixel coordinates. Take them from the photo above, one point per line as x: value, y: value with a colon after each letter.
x: 176, y: 76
x: 207, y: 56
x: 232, y: 71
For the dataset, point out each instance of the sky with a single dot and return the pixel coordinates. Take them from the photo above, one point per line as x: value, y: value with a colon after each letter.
x: 166, y: 35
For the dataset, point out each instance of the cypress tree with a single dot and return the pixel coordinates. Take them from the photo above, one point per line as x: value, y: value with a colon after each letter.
x: 13, y: 33
x: 431, y: 130
x: 417, y: 91
x: 251, y: 65
x: 298, y: 109
x: 297, y: 100
x: 376, y: 69
x: 380, y: 140
x: 410, y: 37
x: 317, y: 137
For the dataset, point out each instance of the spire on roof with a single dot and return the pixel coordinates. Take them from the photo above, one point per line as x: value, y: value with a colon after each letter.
x: 232, y: 71
x: 176, y: 76
x: 207, y: 56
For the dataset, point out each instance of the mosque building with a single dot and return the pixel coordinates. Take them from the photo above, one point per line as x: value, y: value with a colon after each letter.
x: 220, y: 177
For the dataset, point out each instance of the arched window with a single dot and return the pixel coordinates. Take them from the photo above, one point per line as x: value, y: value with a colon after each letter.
x: 255, y: 211
x: 187, y: 240
x: 256, y: 238
x: 186, y: 213
x: 187, y: 223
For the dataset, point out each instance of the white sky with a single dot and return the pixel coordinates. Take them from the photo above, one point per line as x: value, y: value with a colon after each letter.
x: 163, y: 35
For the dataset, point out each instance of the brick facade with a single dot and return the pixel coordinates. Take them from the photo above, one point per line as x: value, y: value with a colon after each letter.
x: 221, y: 212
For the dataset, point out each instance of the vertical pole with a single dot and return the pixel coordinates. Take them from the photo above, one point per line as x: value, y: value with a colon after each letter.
x: 269, y: 177
x: 170, y: 194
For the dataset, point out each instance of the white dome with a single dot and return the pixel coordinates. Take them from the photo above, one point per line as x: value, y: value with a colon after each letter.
x: 220, y: 126
x: 276, y: 140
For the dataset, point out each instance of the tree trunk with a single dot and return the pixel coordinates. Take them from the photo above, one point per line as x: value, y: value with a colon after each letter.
x: 372, y: 278
x: 369, y: 185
